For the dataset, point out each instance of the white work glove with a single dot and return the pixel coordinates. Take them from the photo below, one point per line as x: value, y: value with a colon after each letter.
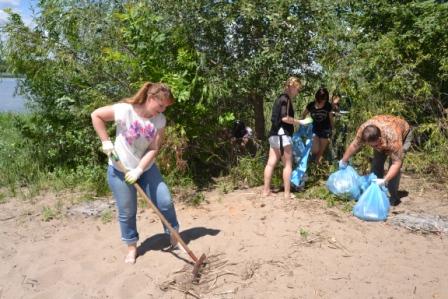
x: 132, y: 175
x: 342, y: 164
x: 107, y: 147
x: 380, y: 182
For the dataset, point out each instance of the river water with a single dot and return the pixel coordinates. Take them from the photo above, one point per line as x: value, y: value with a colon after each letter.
x: 9, y: 102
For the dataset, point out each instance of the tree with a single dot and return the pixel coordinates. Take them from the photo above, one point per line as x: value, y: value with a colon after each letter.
x: 248, y: 48
x: 390, y: 56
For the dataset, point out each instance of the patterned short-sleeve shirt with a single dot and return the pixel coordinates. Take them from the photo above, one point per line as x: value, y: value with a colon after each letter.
x: 393, y: 133
x: 134, y: 134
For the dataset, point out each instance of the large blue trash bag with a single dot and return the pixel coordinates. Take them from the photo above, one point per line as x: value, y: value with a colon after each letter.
x: 373, y: 205
x: 345, y: 182
x: 365, y: 180
x: 302, y: 141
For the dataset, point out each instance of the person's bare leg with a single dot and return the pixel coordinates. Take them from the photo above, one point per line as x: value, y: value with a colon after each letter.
x: 323, y: 143
x: 314, y: 148
x: 274, y: 155
x: 287, y: 170
x: 132, y: 254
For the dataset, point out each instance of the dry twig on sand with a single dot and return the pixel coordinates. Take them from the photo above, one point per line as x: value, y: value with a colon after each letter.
x: 423, y: 223
x: 337, y: 245
x: 210, y: 274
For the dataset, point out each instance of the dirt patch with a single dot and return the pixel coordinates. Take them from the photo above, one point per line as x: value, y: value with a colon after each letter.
x: 259, y: 248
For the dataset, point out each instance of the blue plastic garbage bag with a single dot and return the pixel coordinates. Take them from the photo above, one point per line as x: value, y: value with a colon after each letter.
x: 345, y: 182
x: 373, y: 205
x: 302, y: 141
x: 365, y: 181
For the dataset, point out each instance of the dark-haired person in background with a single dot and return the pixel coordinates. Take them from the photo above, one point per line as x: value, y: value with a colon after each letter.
x: 336, y: 102
x: 323, y: 123
x: 388, y: 136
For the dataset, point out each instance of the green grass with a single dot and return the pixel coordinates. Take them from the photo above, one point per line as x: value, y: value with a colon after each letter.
x: 318, y: 190
x: 248, y: 172
x: 225, y: 185
x: 16, y: 162
x: 106, y: 216
x: 48, y: 213
x: 24, y: 176
x: 303, y: 233
x: 197, y: 199
x: 3, y: 198
x: 55, y: 212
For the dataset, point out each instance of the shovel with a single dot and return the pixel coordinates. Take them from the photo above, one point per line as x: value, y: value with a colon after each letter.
x: 198, y: 262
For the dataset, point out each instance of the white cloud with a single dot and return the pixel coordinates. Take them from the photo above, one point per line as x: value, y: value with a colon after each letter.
x: 3, y: 17
x: 10, y: 2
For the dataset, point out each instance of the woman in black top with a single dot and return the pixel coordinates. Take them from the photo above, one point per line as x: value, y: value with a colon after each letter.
x: 280, y: 142
x: 323, y: 123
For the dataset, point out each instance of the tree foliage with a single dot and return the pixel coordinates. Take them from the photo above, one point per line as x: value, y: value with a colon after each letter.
x: 390, y: 57
x: 224, y: 60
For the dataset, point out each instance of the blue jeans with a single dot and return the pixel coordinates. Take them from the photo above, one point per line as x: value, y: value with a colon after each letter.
x: 126, y: 199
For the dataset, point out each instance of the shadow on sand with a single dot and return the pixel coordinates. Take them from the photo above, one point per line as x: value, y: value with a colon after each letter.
x: 162, y: 241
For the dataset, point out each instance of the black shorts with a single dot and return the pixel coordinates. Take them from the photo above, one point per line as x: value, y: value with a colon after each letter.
x: 325, y: 133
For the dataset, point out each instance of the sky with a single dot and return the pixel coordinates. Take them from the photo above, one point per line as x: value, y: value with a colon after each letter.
x: 22, y: 7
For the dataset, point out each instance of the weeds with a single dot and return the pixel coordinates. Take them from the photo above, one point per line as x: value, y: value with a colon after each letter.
x: 190, y: 196
x: 3, y: 198
x: 303, y: 233
x: 347, y: 206
x: 141, y: 203
x: 197, y: 199
x: 106, y: 216
x: 48, y: 213
x: 23, y: 175
x: 248, y: 172
x: 319, y: 191
x: 225, y: 185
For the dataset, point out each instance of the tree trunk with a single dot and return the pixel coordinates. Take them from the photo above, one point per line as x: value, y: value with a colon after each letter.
x: 258, y: 104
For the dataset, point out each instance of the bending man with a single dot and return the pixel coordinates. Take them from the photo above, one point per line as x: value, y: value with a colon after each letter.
x: 388, y: 136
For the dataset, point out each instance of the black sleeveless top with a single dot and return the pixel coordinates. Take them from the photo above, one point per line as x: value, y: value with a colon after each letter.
x: 282, y: 107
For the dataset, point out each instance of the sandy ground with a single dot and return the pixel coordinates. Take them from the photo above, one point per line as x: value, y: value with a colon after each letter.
x: 258, y: 248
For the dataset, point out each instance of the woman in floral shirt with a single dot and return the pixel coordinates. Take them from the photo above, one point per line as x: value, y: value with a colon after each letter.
x: 389, y: 136
x: 140, y: 125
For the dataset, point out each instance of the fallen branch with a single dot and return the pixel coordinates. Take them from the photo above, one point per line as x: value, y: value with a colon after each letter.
x: 310, y: 241
x: 226, y: 292
x: 338, y: 245
x: 187, y: 292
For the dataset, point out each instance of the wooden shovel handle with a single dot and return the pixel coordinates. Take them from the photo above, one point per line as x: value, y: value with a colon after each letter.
x: 174, y: 232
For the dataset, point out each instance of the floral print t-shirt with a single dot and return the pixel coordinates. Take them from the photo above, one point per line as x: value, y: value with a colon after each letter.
x: 134, y: 134
x: 393, y: 133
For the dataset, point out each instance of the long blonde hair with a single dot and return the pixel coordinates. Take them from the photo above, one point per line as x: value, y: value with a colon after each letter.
x: 159, y: 90
x: 293, y: 81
